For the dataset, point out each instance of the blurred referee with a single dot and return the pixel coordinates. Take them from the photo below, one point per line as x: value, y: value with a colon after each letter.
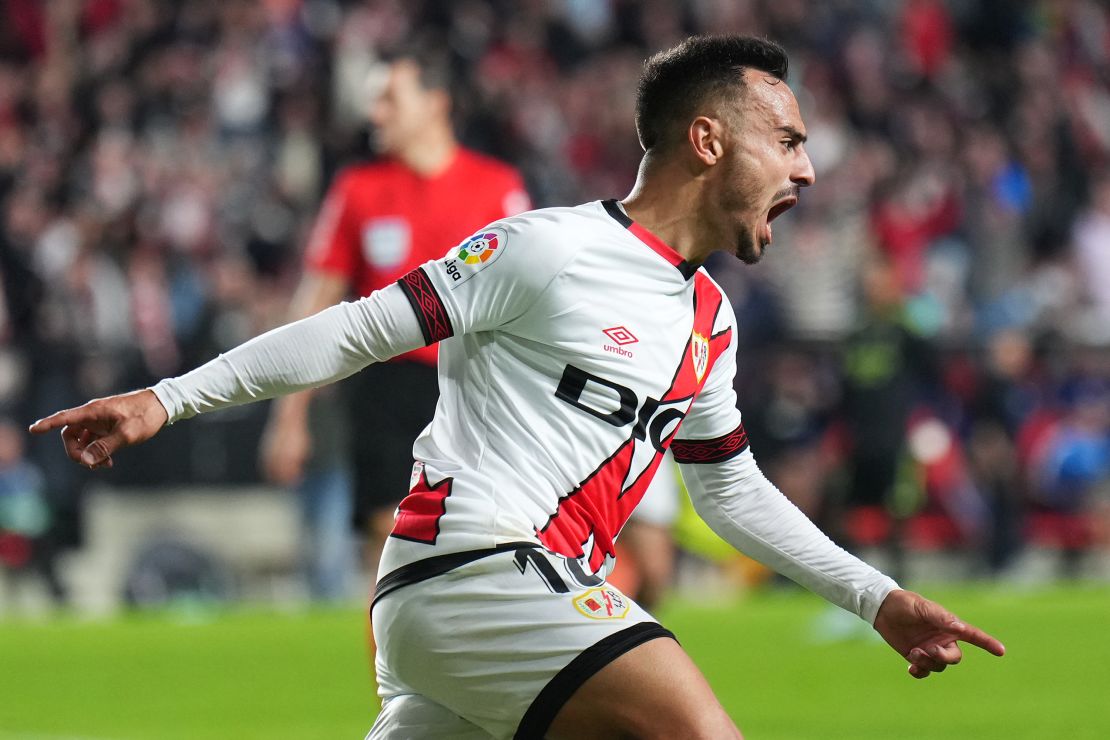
x: 423, y: 195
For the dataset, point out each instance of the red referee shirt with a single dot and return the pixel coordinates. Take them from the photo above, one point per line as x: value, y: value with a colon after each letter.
x: 381, y: 220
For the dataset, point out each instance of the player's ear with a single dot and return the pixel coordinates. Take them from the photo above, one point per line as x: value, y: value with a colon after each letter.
x: 705, y: 138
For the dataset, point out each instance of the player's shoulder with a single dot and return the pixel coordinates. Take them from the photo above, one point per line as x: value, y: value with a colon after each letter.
x: 533, y: 246
x: 567, y: 227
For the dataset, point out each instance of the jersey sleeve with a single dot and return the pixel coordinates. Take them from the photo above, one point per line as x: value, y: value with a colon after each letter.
x: 333, y: 243
x: 320, y: 349
x: 488, y: 280
x: 730, y: 492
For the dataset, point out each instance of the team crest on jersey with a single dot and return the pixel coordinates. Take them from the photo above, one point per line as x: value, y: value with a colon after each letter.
x: 699, y: 353
x: 474, y: 255
x: 602, y: 603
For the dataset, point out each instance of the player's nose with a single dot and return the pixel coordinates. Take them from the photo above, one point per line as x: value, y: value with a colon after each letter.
x: 802, y: 173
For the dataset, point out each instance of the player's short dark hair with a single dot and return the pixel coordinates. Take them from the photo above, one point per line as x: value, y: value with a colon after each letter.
x: 438, y: 70
x: 677, y: 84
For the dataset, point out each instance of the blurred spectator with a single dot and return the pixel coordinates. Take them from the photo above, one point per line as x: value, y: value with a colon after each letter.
x: 1006, y: 395
x: 1070, y: 466
x: 791, y: 420
x: 26, y: 540
x: 1092, y: 253
x: 884, y: 362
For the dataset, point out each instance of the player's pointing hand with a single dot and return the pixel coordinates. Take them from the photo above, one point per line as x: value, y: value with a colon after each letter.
x: 926, y: 633
x: 91, y: 433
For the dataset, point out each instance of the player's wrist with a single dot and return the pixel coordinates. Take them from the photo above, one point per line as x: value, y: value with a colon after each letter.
x: 154, y: 413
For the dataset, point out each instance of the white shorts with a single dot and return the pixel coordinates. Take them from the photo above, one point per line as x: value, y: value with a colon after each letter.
x: 495, y: 646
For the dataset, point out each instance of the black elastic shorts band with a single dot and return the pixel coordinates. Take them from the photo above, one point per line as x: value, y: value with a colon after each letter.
x: 422, y: 570
x: 591, y: 660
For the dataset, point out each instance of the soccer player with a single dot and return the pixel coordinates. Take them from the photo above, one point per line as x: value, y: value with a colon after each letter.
x: 577, y: 345
x: 378, y: 222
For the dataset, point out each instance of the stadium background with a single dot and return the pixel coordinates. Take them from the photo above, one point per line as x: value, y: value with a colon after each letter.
x: 947, y: 281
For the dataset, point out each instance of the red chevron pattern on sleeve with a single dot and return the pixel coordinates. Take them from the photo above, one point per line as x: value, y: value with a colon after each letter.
x: 429, y: 308
x: 711, y: 450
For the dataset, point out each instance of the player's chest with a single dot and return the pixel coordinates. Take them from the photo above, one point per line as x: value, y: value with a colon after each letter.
x: 634, y: 332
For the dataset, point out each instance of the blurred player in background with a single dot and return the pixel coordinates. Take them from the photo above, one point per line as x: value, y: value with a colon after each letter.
x: 379, y: 221
x: 492, y: 612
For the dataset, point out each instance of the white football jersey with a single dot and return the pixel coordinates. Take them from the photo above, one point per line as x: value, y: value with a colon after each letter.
x: 576, y: 347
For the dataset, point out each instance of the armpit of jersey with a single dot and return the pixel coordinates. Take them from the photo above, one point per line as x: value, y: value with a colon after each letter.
x: 711, y: 450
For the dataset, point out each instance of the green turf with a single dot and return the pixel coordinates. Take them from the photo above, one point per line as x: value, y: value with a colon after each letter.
x: 772, y: 660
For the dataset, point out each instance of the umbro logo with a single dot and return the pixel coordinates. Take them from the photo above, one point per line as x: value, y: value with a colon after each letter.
x: 620, y: 336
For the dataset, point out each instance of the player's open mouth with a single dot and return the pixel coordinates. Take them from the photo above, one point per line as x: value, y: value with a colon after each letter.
x: 781, y: 207
x: 778, y: 208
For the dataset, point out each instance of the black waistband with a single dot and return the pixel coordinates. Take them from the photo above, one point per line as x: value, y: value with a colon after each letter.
x: 437, y: 565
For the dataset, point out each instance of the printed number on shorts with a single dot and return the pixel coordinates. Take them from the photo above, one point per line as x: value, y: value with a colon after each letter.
x: 550, y: 575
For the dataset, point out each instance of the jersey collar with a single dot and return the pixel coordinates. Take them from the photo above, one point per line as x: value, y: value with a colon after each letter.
x: 657, y: 245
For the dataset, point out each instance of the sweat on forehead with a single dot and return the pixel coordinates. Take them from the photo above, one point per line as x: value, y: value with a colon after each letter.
x: 678, y: 83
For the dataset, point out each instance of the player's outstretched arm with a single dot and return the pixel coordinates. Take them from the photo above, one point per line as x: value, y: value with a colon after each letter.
x: 91, y: 433
x: 926, y: 634
x: 305, y: 354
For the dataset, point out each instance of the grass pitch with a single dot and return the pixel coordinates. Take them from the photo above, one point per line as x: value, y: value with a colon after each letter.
x: 784, y: 666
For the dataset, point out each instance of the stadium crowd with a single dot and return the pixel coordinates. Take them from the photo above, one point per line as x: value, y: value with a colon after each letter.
x: 925, y: 355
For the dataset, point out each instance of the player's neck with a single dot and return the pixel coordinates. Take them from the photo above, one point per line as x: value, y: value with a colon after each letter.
x: 668, y: 205
x: 431, y: 155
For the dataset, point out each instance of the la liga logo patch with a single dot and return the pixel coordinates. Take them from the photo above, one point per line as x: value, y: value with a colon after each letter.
x: 479, y: 248
x: 474, y: 255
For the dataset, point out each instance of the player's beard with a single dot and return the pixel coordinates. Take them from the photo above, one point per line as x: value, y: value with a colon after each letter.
x: 749, y: 246
x: 752, y: 245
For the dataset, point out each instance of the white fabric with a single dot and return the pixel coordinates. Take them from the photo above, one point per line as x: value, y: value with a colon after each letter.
x: 406, y: 716
x: 535, y: 300
x: 320, y: 349
x: 748, y: 511
x: 484, y: 639
x: 515, y: 452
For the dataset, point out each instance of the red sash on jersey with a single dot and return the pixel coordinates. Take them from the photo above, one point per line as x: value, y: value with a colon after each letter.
x: 590, y: 517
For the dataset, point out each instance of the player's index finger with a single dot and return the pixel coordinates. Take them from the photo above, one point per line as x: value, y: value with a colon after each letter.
x: 978, y: 638
x: 54, y: 421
